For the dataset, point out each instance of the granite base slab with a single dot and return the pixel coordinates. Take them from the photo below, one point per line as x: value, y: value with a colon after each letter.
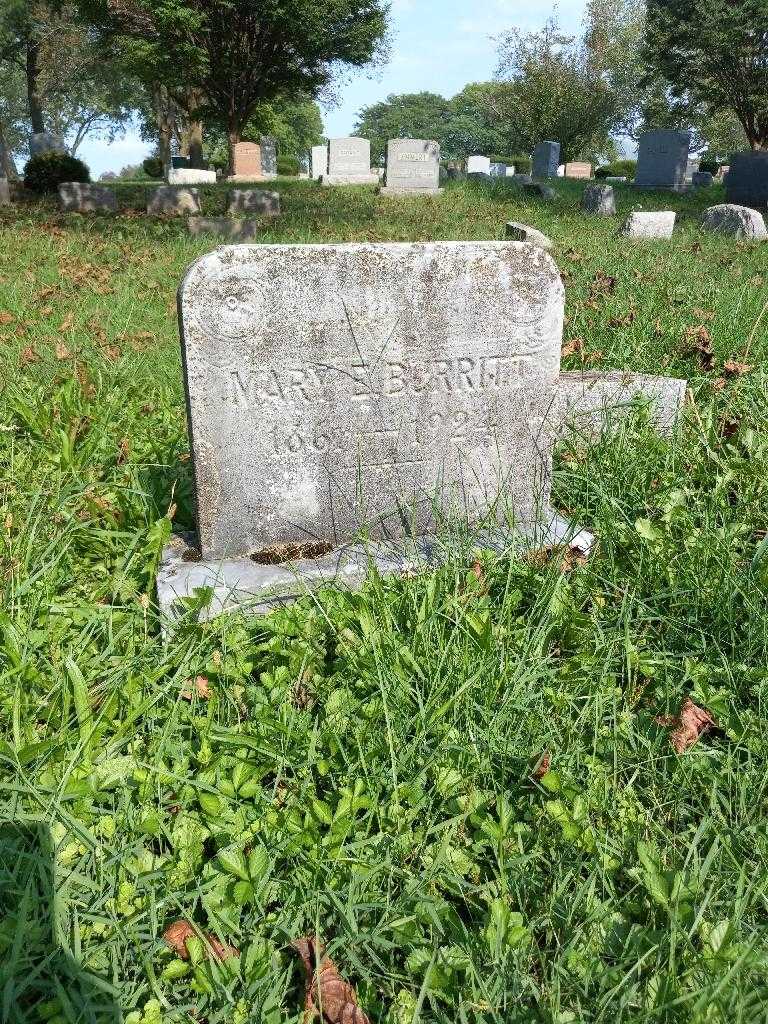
x: 350, y: 179
x: 241, y: 584
x: 397, y: 192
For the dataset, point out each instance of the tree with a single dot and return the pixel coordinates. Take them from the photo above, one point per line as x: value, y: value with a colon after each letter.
x: 551, y: 89
x: 715, y: 53
x: 13, y: 116
x: 474, y: 125
x: 416, y: 115
x: 234, y: 55
x: 295, y: 124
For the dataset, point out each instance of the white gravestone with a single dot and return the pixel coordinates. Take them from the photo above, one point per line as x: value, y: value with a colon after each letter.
x: 416, y: 389
x: 413, y: 166
x: 349, y: 162
x: 478, y: 165
x: 662, y: 160
x: 319, y: 161
x: 653, y: 224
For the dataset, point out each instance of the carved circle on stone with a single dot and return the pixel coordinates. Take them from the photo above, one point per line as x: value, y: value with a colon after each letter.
x: 232, y: 306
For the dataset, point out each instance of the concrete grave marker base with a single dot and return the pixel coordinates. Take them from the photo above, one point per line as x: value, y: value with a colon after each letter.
x: 77, y: 197
x: 385, y: 190
x: 241, y: 584
x: 190, y: 176
x: 349, y: 179
x: 168, y: 201
x: 591, y: 403
x: 254, y: 200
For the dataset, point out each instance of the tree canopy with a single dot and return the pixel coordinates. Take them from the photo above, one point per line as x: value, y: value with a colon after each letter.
x: 715, y: 53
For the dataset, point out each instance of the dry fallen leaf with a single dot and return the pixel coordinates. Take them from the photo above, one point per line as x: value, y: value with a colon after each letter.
x: 542, y: 767
x: 733, y: 369
x: 689, y: 725
x: 699, y: 342
x: 6, y: 318
x: 328, y: 996
x: 177, y: 934
x: 62, y: 352
x: 200, y: 684
x: 571, y: 346
x: 28, y: 355
x: 67, y: 322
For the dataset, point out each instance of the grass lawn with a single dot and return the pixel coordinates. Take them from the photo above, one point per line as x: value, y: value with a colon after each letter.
x: 364, y: 765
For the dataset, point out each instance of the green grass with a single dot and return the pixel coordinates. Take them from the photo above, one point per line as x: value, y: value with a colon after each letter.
x: 370, y: 755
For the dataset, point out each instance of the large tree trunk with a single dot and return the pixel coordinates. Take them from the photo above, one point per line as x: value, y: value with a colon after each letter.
x: 233, y: 137
x: 34, y: 99
x: 195, y: 141
x: 164, y: 119
x: 7, y: 166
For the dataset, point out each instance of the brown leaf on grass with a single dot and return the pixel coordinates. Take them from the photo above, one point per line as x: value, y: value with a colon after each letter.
x: 542, y: 767
x: 178, y: 933
x: 571, y: 346
x: 200, y: 685
x: 623, y: 321
x: 28, y: 355
x: 123, y: 450
x: 574, y: 255
x: 731, y: 368
x: 718, y: 384
x: 705, y: 315
x: 569, y: 557
x: 699, y: 342
x: 6, y: 318
x: 111, y: 352
x: 67, y: 323
x: 602, y: 284
x: 329, y: 997
x: 729, y: 426
x: 689, y: 725
x: 62, y: 352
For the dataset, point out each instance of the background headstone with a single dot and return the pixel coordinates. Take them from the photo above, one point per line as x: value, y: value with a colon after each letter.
x: 578, y: 169
x: 247, y: 160
x: 519, y: 232
x: 78, y: 197
x: 510, y: 170
x: 498, y: 170
x: 746, y: 181
x: 413, y: 376
x: 319, y: 161
x: 167, y: 201
x: 179, y: 161
x: 599, y: 199
x: 254, y: 200
x: 702, y: 179
x: 349, y: 162
x: 45, y: 142
x: 546, y: 158
x: 5, y: 192
x: 735, y: 221
x: 190, y: 176
x: 268, y: 157
x: 662, y: 160
x: 413, y: 165
x: 691, y: 168
x: 478, y: 165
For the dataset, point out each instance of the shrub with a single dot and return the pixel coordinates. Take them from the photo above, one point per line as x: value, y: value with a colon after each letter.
x: 523, y: 164
x: 44, y: 173
x: 288, y: 165
x: 709, y: 165
x: 618, y: 169
x: 153, y: 167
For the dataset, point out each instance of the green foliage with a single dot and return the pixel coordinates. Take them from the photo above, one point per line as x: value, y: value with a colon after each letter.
x: 44, y: 173
x: 288, y: 165
x: 153, y: 167
x: 423, y: 115
x: 363, y: 763
x: 713, y: 166
x: 617, y: 169
x: 523, y: 163
x: 295, y: 124
x: 713, y: 52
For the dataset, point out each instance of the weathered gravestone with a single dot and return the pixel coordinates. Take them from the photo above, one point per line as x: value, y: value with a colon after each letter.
x: 509, y: 171
x: 246, y: 161
x: 190, y: 176
x: 735, y: 221
x: 268, y: 157
x: 77, y: 197
x: 168, y: 201
x: 5, y: 192
x: 498, y: 170
x: 578, y: 169
x: 349, y: 162
x: 319, y: 161
x: 45, y: 142
x: 746, y: 178
x: 520, y: 232
x: 662, y: 160
x: 546, y: 158
x: 254, y: 200
x: 599, y: 199
x: 650, y: 224
x: 478, y: 165
x: 702, y: 179
x: 413, y: 166
x: 417, y: 388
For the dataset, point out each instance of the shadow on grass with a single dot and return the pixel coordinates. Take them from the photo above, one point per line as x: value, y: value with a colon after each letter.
x: 39, y: 980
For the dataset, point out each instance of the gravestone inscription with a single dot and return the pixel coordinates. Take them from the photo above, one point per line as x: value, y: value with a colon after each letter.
x: 662, y: 160
x: 413, y: 165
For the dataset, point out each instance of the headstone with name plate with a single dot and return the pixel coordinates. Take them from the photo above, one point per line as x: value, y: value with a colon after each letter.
x: 662, y: 160
x: 247, y: 161
x: 349, y: 162
x: 413, y: 166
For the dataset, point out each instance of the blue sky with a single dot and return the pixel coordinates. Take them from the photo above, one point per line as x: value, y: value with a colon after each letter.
x: 437, y: 45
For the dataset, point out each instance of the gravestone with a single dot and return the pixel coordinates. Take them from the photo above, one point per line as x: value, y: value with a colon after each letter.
x: 616, y: 178
x: 535, y: 188
x: 702, y: 179
x: 746, y: 178
x: 319, y: 161
x: 519, y: 232
x: 589, y: 402
x: 599, y: 199
x: 190, y: 176
x: 238, y: 229
x: 167, y: 201
x: 578, y: 169
x: 253, y: 200
x: 662, y: 160
x: 5, y: 192
x: 418, y: 387
x: 735, y: 221
x: 546, y: 157
x: 509, y: 171
x: 413, y: 166
x: 178, y: 162
x: 268, y: 157
x: 478, y: 165
x: 77, y: 197
x: 45, y: 142
x: 691, y: 168
x: 498, y: 170
x: 654, y: 224
x: 349, y: 162
x: 246, y: 161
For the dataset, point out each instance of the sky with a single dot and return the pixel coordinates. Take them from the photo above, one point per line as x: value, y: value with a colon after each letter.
x: 437, y: 46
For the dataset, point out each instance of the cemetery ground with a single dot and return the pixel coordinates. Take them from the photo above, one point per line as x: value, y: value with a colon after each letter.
x: 464, y: 781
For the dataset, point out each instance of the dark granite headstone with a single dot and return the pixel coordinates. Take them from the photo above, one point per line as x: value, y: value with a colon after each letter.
x: 747, y: 180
